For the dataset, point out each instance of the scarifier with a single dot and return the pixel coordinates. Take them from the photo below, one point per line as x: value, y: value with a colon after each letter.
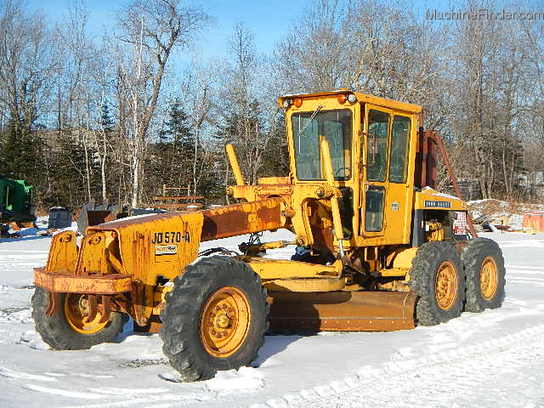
x: 378, y: 248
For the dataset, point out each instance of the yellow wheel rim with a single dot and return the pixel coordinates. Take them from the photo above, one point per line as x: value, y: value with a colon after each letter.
x: 225, y: 322
x: 488, y: 278
x: 77, y: 311
x: 446, y: 285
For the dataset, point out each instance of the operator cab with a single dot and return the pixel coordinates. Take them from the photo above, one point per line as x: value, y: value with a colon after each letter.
x: 373, y: 143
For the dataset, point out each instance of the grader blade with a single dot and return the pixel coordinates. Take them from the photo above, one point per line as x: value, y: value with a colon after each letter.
x: 342, y: 311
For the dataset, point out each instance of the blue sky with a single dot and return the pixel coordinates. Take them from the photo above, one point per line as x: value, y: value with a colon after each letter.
x: 268, y: 19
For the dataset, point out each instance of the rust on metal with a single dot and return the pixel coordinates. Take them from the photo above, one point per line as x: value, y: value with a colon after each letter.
x: 343, y: 311
x: 54, y: 304
x: 162, y: 243
x: 180, y: 206
x: 63, y: 253
x: 92, y: 306
x: 305, y: 285
x: 106, y: 308
x: 238, y: 219
x: 142, y: 307
x: 95, y: 247
x: 184, y: 198
x: 101, y: 285
x: 222, y: 222
x: 533, y: 221
x: 126, y: 222
x: 426, y: 166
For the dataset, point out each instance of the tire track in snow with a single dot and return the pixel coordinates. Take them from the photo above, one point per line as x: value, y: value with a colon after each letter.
x: 6, y: 372
x: 440, y: 380
x: 143, y: 397
x: 525, y: 281
x: 525, y: 268
x: 63, y: 392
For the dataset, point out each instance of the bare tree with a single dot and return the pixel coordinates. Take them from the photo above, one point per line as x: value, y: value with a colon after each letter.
x: 26, y: 62
x: 490, y: 67
x: 199, y: 87
x: 153, y: 28
x: 242, y: 119
x: 313, y: 56
x: 76, y: 77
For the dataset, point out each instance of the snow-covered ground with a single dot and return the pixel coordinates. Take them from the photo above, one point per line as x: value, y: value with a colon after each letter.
x: 493, y: 359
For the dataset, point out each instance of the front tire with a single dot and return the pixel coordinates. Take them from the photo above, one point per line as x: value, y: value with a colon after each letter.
x: 67, y: 329
x: 484, y: 268
x: 214, y: 318
x: 437, y: 278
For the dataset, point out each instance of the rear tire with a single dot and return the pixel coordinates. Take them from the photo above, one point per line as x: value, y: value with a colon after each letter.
x: 214, y: 318
x: 60, y: 334
x: 485, y: 275
x: 437, y: 278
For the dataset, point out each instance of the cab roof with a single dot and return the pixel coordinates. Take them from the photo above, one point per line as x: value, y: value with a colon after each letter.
x: 361, y: 97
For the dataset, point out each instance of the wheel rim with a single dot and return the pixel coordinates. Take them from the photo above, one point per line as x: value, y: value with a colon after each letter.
x: 225, y: 322
x: 77, y: 311
x: 446, y: 285
x: 488, y: 278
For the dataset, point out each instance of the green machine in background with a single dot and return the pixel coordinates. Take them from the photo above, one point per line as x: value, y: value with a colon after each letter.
x: 15, y: 201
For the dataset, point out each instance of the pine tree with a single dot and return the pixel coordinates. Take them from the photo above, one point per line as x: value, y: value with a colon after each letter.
x: 276, y: 159
x: 170, y: 159
x: 20, y: 150
x: 105, y: 118
x: 103, y: 149
x: 68, y: 175
x: 243, y: 127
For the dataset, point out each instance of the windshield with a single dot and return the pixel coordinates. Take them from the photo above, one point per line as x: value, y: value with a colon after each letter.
x: 308, y: 127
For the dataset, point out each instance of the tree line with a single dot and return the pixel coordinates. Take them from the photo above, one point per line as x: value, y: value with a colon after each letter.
x: 114, y: 118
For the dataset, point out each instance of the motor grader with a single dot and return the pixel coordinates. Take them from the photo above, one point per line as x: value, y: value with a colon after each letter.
x: 377, y: 248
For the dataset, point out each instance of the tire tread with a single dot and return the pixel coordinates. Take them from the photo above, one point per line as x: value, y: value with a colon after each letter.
x: 191, y: 290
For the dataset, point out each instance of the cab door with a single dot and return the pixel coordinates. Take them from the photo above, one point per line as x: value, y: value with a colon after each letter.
x: 386, y: 193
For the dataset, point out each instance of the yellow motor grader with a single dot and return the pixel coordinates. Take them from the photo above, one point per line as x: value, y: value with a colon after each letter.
x: 377, y: 248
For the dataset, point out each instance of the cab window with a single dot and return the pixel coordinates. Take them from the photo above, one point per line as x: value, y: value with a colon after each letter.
x: 308, y: 128
x: 378, y: 124
x: 399, y: 149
